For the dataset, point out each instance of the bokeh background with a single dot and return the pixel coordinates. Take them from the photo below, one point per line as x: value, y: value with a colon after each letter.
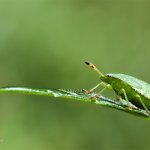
x: 43, y: 44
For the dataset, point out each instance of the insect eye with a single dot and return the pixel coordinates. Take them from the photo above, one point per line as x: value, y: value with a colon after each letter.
x: 108, y: 76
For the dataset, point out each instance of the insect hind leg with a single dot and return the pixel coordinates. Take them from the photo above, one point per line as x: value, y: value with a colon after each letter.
x: 144, y: 106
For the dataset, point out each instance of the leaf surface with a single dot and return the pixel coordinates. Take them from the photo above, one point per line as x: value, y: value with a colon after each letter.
x: 78, y: 95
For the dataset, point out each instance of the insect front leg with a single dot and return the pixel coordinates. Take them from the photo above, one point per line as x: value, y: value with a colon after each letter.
x: 106, y: 86
x: 91, y: 90
x: 144, y: 106
x: 122, y: 91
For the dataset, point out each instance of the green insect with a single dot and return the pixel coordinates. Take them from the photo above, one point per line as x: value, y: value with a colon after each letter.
x: 136, y: 92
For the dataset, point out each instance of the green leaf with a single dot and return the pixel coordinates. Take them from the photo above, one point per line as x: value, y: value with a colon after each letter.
x: 78, y: 95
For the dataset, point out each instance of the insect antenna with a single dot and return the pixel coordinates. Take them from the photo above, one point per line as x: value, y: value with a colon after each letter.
x: 94, y: 67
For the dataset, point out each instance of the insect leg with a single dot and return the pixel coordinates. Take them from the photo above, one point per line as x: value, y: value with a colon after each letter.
x: 91, y: 90
x: 122, y: 91
x: 144, y: 106
x: 95, y: 87
x: 106, y: 86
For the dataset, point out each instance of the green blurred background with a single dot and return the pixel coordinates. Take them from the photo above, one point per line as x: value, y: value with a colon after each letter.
x: 43, y: 44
